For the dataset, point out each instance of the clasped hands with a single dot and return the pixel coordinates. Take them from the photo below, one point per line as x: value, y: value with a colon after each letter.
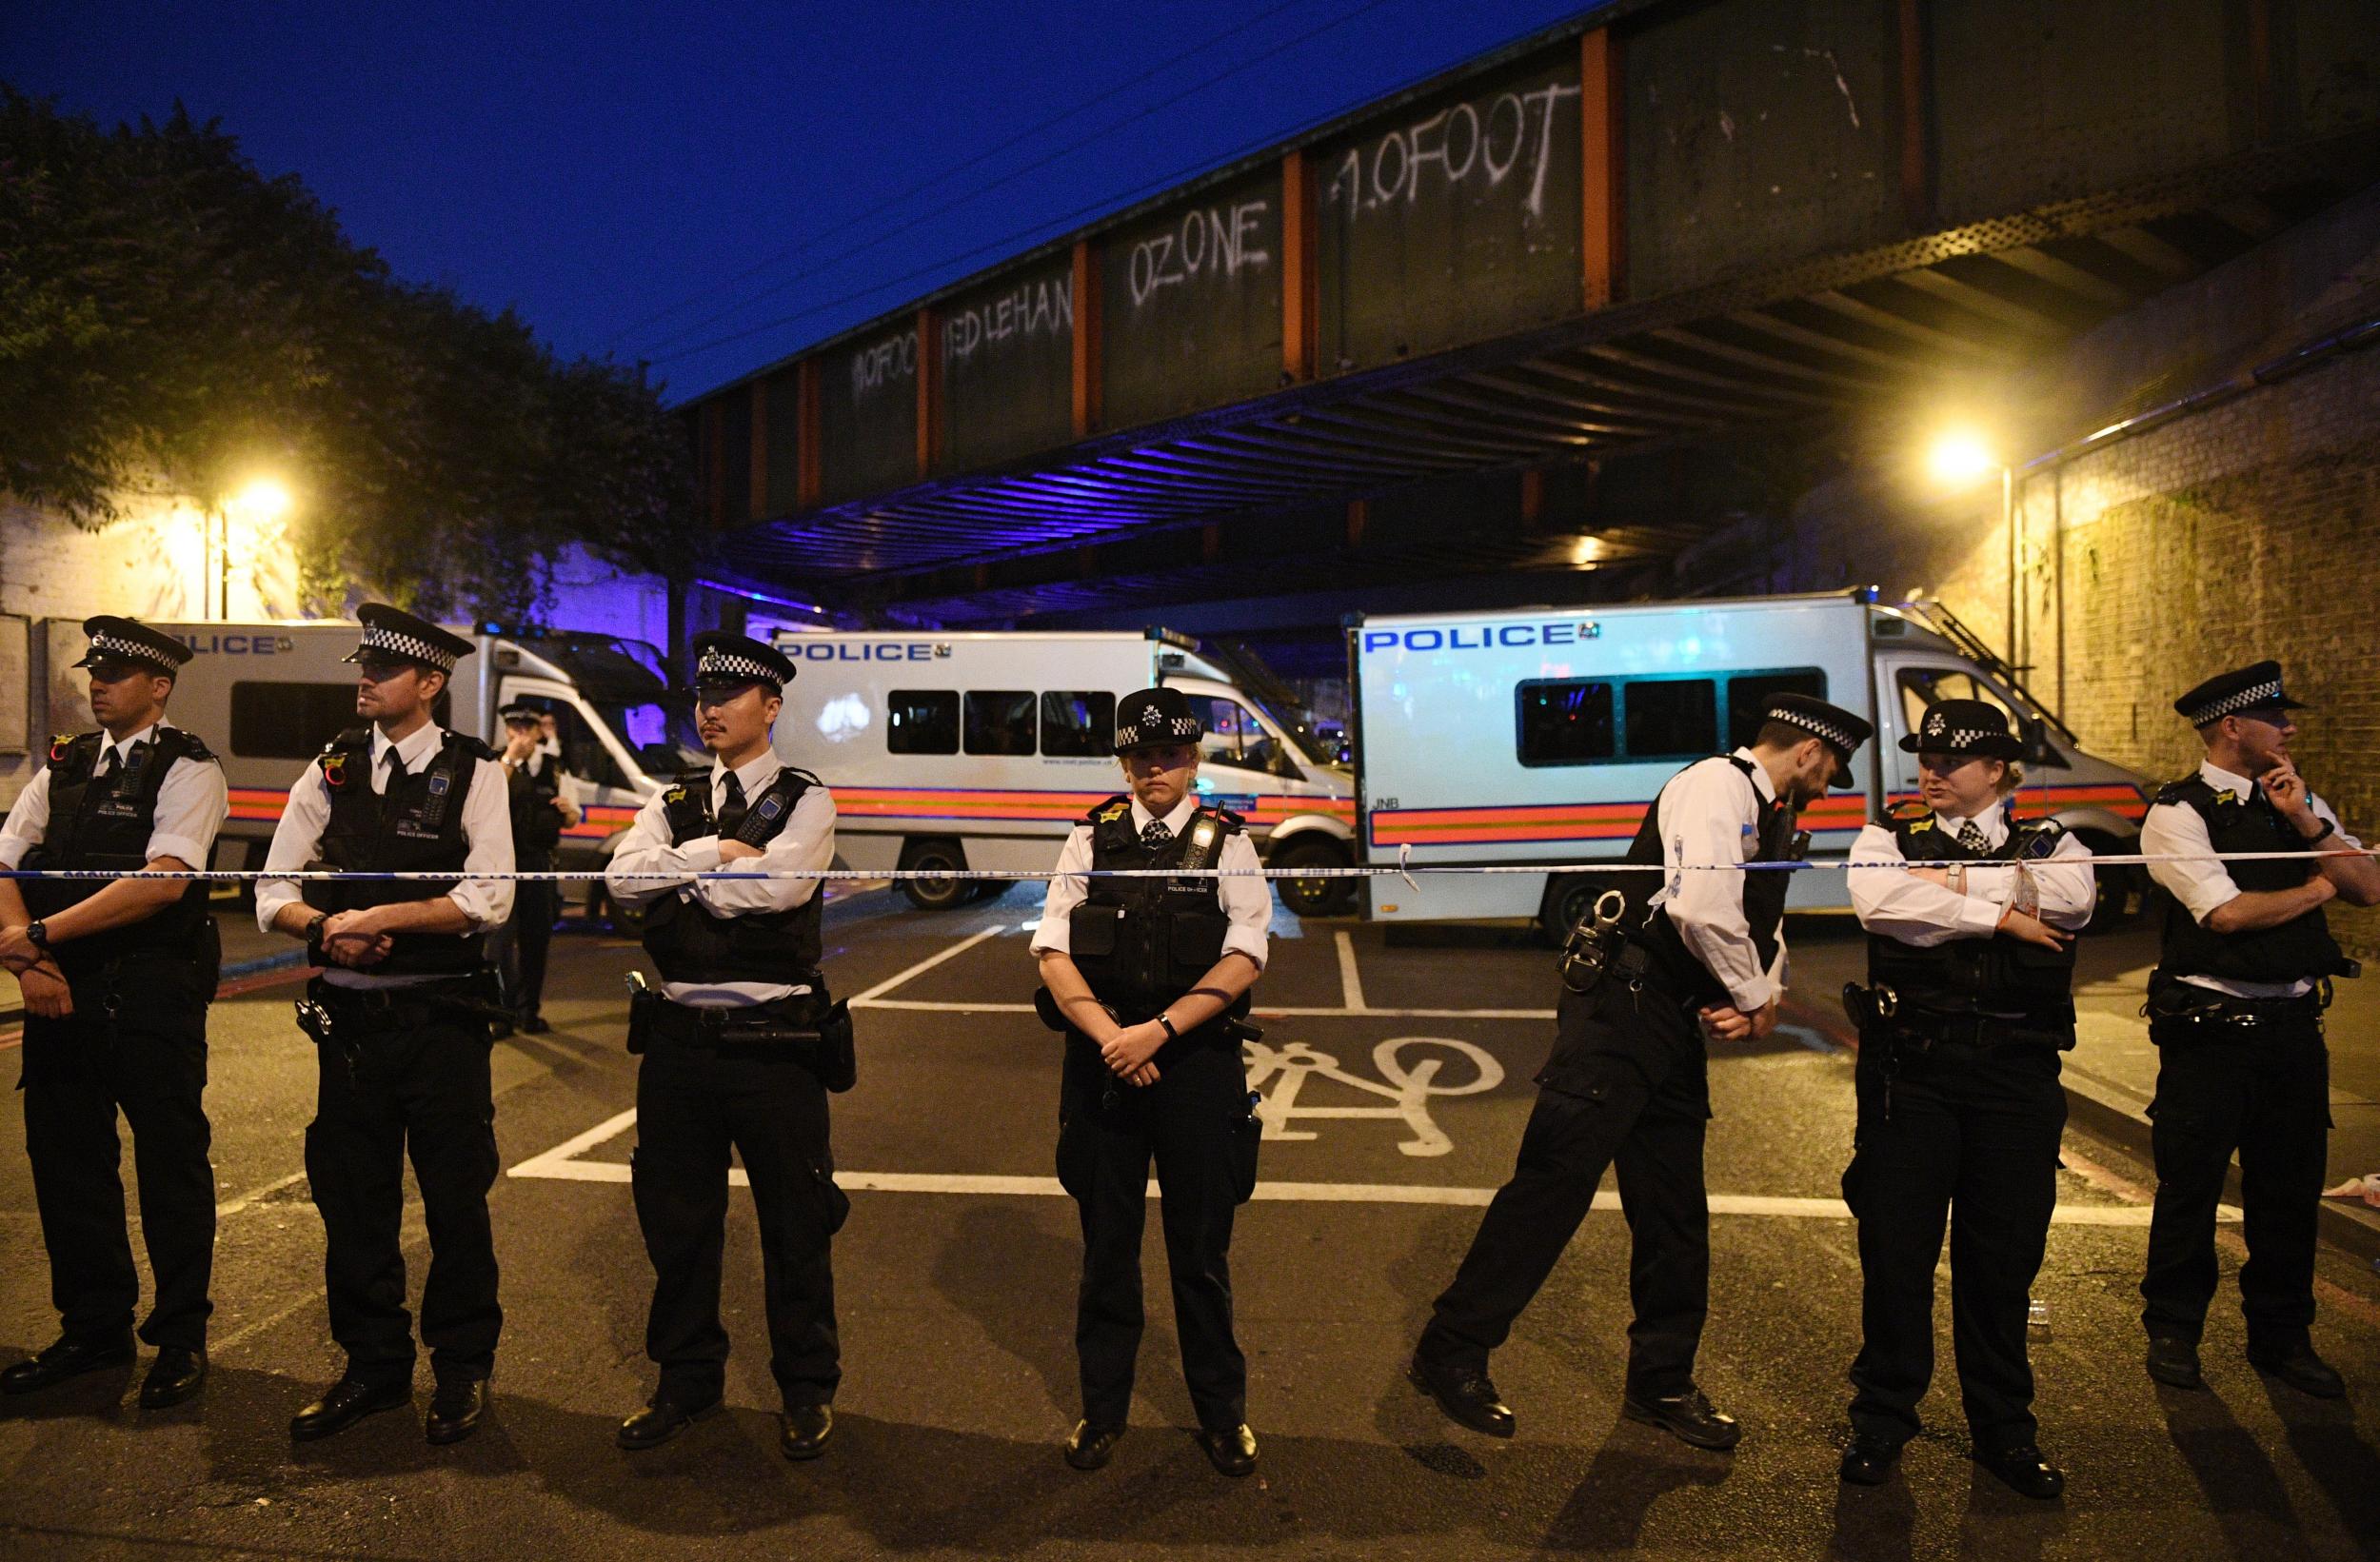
x: 37, y: 974
x: 357, y: 939
x: 1724, y: 1022
x: 1129, y: 1048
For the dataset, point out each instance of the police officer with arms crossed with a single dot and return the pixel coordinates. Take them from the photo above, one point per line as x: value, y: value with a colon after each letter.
x: 1972, y: 964
x: 2236, y: 1010
x: 543, y: 805
x: 400, y: 1020
x: 1627, y: 1084
x: 740, y: 1047
x: 116, y: 977
x: 1147, y: 977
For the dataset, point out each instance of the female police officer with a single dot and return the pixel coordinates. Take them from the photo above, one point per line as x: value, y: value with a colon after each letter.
x: 1960, y: 1104
x: 1144, y: 976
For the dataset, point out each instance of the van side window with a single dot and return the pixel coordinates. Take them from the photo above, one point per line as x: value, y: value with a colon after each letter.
x: 289, y: 720
x: 1748, y: 696
x: 922, y: 722
x: 1234, y: 736
x: 1077, y: 722
x: 1670, y: 718
x: 1565, y: 721
x: 1001, y: 720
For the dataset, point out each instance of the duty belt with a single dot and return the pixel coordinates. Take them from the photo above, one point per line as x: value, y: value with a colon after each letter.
x: 1880, y: 1009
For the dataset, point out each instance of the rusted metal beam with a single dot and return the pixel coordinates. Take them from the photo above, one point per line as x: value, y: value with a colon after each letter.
x: 806, y: 400
x: 929, y: 392
x: 1087, y: 411
x: 1600, y: 102
x: 1916, y: 117
x: 1298, y: 290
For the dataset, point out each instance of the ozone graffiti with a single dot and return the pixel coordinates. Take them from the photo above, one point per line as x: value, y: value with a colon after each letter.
x: 1484, y: 142
x: 1407, y: 1089
x: 1213, y: 242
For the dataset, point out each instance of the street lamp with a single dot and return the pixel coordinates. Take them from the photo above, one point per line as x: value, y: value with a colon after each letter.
x: 1958, y: 458
x: 258, y: 505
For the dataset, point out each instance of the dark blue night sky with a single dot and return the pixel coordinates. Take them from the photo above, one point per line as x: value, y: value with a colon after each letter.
x: 645, y: 180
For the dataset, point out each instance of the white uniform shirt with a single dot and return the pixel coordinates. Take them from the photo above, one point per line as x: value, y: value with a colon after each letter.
x: 808, y: 841
x: 192, y: 805
x: 1900, y: 906
x: 487, y: 832
x: 1709, y: 815
x: 2201, y: 886
x: 566, y: 784
x: 1247, y: 900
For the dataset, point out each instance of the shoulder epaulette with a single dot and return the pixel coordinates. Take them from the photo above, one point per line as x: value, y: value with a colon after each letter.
x: 1109, y: 811
x: 187, y: 744
x: 470, y: 745
x: 63, y: 745
x: 2179, y: 791
x: 1907, y: 811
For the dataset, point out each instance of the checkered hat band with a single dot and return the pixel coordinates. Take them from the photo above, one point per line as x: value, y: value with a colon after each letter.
x: 1942, y: 732
x: 397, y: 643
x: 1803, y: 720
x: 104, y: 643
x: 1153, y: 727
x: 726, y: 665
x: 2266, y: 693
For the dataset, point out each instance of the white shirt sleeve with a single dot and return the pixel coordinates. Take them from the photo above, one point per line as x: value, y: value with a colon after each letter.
x: 1899, y: 905
x: 487, y: 831
x: 193, y: 802
x: 2201, y: 886
x: 296, y: 841
x: 1706, y: 815
x: 808, y: 841
x: 29, y: 822
x: 1066, y: 889
x: 1247, y: 900
x: 646, y: 848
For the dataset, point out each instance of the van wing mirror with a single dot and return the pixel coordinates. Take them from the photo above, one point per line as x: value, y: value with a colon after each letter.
x: 2036, y: 738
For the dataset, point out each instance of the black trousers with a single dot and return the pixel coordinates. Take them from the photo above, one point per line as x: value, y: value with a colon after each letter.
x: 135, y: 1043
x: 520, y: 947
x: 693, y: 1104
x: 1628, y: 1088
x: 1967, y: 1137
x: 399, y: 1078
x: 2265, y: 1092
x: 1190, y: 1123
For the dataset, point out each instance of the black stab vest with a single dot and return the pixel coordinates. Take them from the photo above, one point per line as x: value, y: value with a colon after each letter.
x: 105, y: 825
x: 691, y: 944
x: 536, y: 822
x: 1996, y: 976
x: 1764, y: 894
x: 1141, y: 943
x: 415, y: 826
x: 2298, y: 950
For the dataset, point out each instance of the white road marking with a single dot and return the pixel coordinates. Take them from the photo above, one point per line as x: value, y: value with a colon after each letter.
x: 1350, y: 981
x: 1292, y: 1063
x: 898, y: 978
x: 234, y: 1206
x: 927, y: 1005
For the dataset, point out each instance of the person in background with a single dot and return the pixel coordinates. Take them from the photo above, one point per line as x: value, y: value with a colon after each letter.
x: 543, y: 805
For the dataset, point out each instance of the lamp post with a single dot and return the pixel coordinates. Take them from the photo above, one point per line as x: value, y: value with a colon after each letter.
x: 262, y: 502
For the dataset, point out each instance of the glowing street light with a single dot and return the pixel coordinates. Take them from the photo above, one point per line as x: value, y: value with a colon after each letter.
x: 258, y: 507
x: 1959, y: 457
x: 262, y: 502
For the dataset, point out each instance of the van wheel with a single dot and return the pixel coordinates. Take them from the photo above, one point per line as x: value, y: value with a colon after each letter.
x: 2118, y: 883
x: 935, y: 857
x: 1314, y: 897
x: 1568, y: 899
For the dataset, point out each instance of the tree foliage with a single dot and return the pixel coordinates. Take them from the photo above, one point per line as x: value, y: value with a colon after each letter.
x: 171, y: 321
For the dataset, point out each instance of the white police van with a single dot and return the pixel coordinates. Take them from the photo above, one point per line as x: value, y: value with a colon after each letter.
x: 1542, y: 736
x: 950, y: 751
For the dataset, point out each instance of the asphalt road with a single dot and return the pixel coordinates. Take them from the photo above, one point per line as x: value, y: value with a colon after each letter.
x: 1397, y: 1077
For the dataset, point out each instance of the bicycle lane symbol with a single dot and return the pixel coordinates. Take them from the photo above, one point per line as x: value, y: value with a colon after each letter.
x: 1407, y: 1088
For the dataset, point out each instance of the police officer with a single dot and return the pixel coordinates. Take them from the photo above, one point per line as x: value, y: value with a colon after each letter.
x: 399, y: 1019
x: 1970, y: 963
x: 739, y: 1049
x: 2236, y: 1010
x: 116, y: 977
x: 1148, y: 976
x: 1627, y: 1083
x: 543, y: 805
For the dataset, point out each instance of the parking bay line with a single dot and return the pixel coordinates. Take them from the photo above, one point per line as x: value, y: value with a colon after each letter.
x: 937, y: 1005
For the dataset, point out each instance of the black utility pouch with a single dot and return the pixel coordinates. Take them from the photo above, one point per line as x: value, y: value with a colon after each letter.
x: 839, y: 1061
x: 1093, y: 929
x: 645, y: 1007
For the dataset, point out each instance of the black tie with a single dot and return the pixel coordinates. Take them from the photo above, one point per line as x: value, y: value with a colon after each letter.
x: 731, y: 811
x: 1154, y: 834
x: 396, y: 761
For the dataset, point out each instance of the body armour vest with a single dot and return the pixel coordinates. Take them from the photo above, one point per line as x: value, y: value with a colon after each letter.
x: 1764, y: 894
x: 1141, y: 943
x: 415, y: 826
x: 691, y: 944
x: 2298, y: 950
x: 104, y: 824
x: 1996, y: 976
x: 536, y: 822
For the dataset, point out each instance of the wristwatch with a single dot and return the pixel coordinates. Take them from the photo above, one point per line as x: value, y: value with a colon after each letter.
x: 39, y: 933
x: 2328, y: 826
x: 315, y: 937
x: 1165, y: 1019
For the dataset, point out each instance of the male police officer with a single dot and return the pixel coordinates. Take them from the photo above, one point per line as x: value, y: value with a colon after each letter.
x: 542, y: 806
x: 740, y: 1047
x: 1972, y: 965
x: 1147, y: 975
x: 117, y: 977
x: 2235, y: 1009
x: 1627, y: 1083
x: 400, y: 1023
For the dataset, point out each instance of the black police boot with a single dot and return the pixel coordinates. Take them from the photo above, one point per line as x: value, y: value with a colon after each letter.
x: 2298, y: 1366
x: 2021, y: 1467
x: 1231, y: 1450
x: 64, y: 1358
x: 1687, y: 1417
x: 1089, y: 1447
x: 802, y: 1430
x: 176, y: 1374
x: 1869, y: 1459
x: 2174, y: 1362
x: 658, y: 1423
x: 1465, y: 1395
x: 346, y: 1402
x: 534, y: 1023
x: 455, y: 1410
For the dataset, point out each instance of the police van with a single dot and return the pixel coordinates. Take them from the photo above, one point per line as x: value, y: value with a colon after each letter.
x: 267, y: 696
x: 1512, y: 739
x: 981, y: 750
